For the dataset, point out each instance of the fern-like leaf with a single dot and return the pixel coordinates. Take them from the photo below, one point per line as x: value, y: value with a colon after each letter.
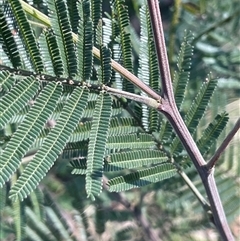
x: 123, y: 160
x: 142, y: 177
x: 85, y: 41
x: 132, y: 141
x: 27, y: 35
x: 148, y: 70
x: 61, y: 26
x: 73, y: 14
x: 51, y: 51
x: 181, y: 76
x: 23, y: 138
x: 9, y: 45
x: 197, y: 110
x: 211, y: 134
x: 122, y: 19
x: 134, y: 159
x: 105, y: 71
x: 121, y: 126
x: 15, y: 100
x: 6, y: 81
x: 96, y: 13
x: 180, y: 81
x: 97, y: 145
x: 52, y: 146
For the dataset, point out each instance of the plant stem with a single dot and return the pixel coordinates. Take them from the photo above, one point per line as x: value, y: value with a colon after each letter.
x: 172, y: 33
x: 199, y: 196
x: 223, y: 146
x: 116, y: 66
x: 139, y: 98
x: 169, y: 109
x: 131, y: 77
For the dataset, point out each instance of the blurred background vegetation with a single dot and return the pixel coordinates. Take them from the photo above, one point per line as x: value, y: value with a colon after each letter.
x: 167, y: 210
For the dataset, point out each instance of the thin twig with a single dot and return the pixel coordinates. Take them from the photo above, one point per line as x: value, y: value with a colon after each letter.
x: 138, y: 98
x: 223, y: 146
x: 169, y: 109
x: 116, y: 66
x: 193, y: 188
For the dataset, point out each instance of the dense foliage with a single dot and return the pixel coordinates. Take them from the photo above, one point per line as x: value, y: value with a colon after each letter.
x: 58, y: 121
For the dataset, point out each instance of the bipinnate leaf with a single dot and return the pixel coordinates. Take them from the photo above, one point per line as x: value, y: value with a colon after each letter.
x: 61, y: 27
x: 134, y: 159
x: 28, y: 36
x: 212, y: 132
x: 9, y: 45
x: 196, y: 110
x: 52, y: 146
x: 29, y: 129
x: 16, y: 99
x: 142, y: 177
x: 6, y: 81
x: 97, y: 144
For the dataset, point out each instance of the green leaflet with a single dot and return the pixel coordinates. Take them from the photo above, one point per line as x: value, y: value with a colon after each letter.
x: 57, y: 224
x: 100, y: 220
x: 143, y: 141
x: 85, y: 41
x: 62, y: 30
x: 184, y: 62
x: 134, y: 159
x: 6, y: 81
x: 142, y: 177
x: 196, y: 111
x: 52, y: 146
x: 16, y: 99
x: 29, y: 129
x: 79, y: 167
x: 121, y: 18
x: 3, y: 198
x: 75, y: 149
x: 105, y: 71
x: 97, y: 144
x: 212, y: 132
x: 180, y: 82
x: 148, y: 68
x: 121, y: 126
x: 123, y: 160
x: 118, y: 126
x: 27, y: 35
x: 9, y: 45
x: 51, y: 53
x: 73, y: 14
x: 96, y: 14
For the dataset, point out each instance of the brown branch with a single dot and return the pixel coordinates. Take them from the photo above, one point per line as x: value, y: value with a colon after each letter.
x: 161, y: 49
x: 223, y: 146
x: 169, y: 109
